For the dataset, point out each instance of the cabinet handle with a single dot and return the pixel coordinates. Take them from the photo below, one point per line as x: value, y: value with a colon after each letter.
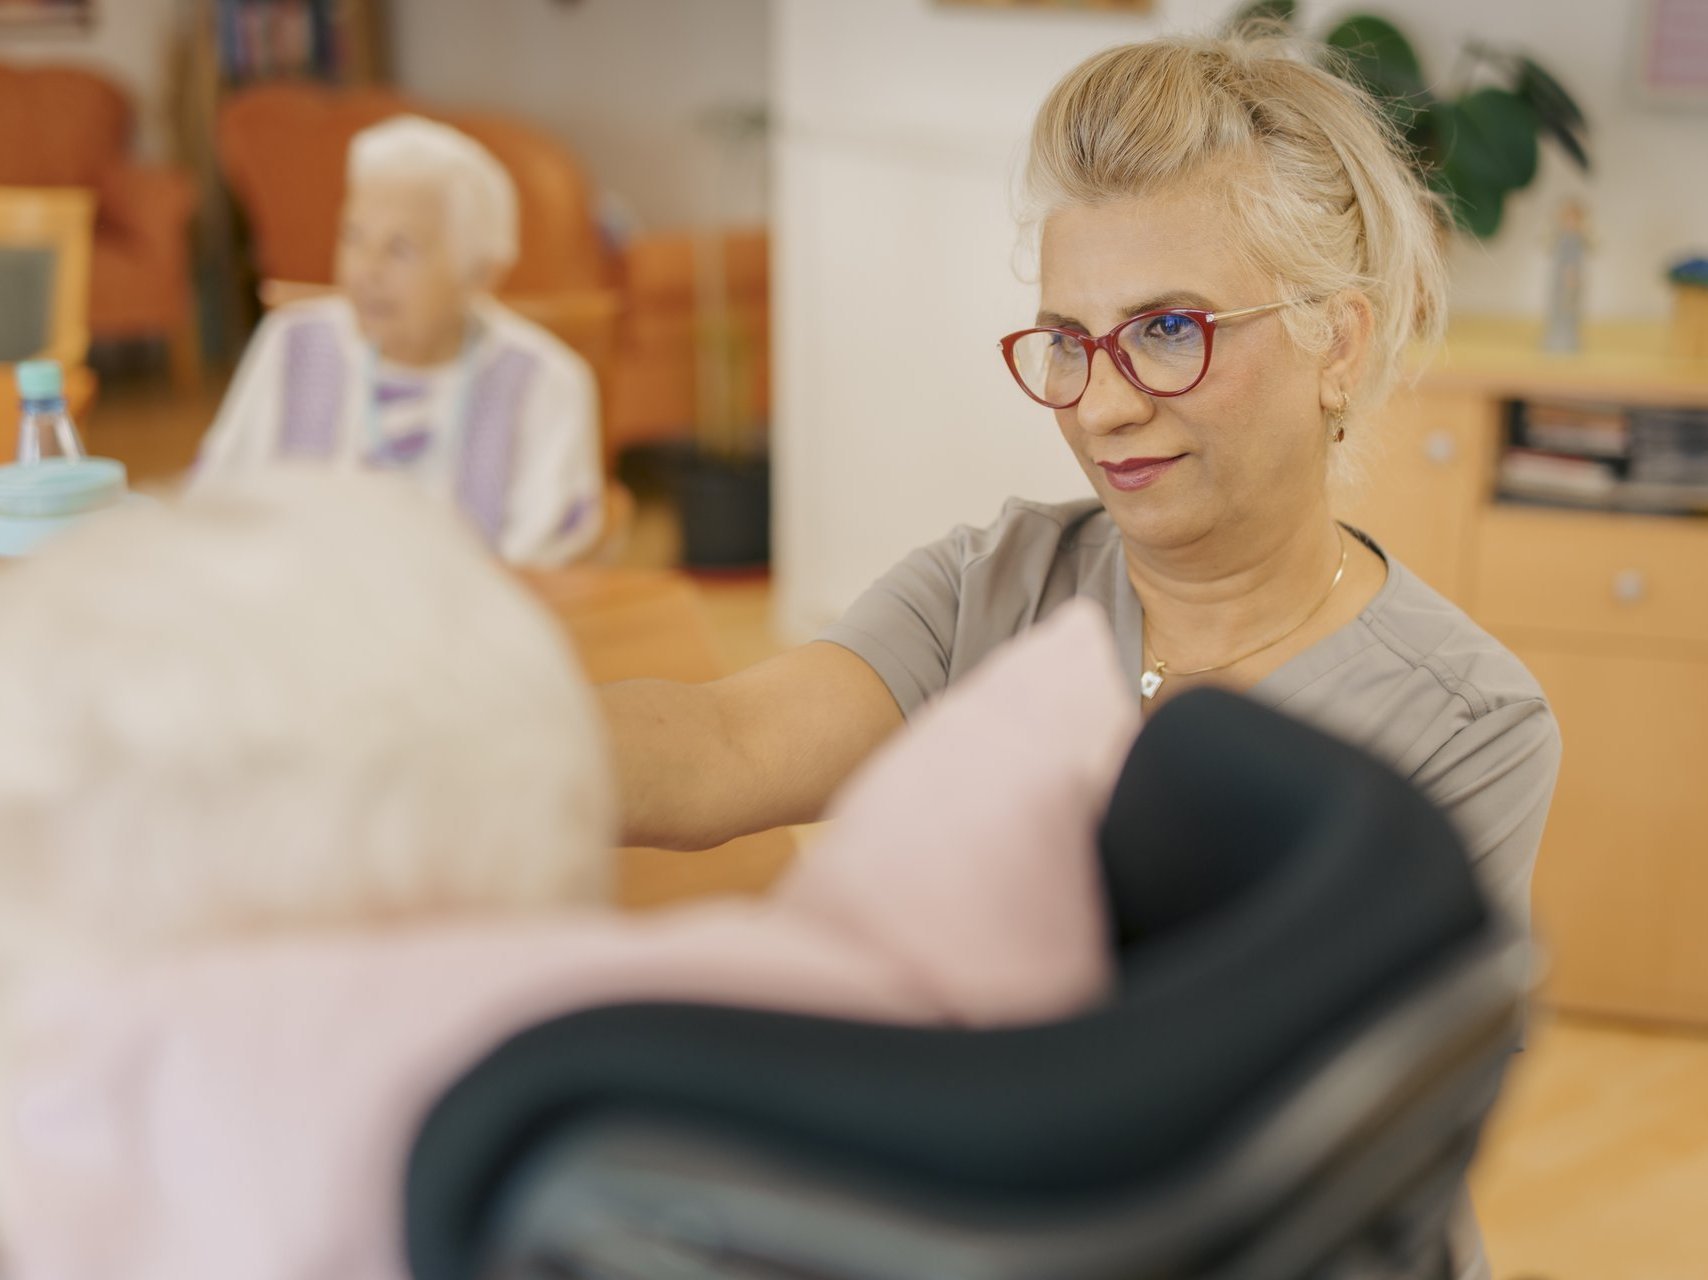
x: 1439, y: 447
x: 1629, y: 586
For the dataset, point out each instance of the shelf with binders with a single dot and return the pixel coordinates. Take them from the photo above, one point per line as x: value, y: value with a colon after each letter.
x: 224, y: 46
x: 331, y: 40
x: 1643, y: 459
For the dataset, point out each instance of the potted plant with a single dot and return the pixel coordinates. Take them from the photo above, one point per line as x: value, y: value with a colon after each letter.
x: 1474, y: 144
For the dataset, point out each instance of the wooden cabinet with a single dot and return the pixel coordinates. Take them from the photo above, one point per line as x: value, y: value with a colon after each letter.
x: 1610, y: 612
x: 1621, y: 889
x: 1424, y: 484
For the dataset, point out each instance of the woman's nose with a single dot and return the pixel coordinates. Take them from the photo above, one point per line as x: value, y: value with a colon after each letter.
x: 1110, y: 401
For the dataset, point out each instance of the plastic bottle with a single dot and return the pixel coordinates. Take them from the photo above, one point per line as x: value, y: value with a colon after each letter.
x: 45, y: 431
x: 53, y: 484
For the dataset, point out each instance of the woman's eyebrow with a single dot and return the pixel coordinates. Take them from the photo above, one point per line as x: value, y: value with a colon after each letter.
x: 1164, y: 301
x: 1161, y: 302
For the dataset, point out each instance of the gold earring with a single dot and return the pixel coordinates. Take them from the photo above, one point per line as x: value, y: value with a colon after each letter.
x: 1337, y: 419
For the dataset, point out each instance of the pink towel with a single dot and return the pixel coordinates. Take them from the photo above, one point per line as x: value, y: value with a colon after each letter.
x: 246, y: 1110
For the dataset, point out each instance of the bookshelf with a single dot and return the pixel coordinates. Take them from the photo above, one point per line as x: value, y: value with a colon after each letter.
x: 333, y: 40
x: 1605, y: 456
x: 1558, y: 500
x: 225, y: 45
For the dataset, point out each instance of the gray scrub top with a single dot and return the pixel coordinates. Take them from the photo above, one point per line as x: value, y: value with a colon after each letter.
x: 1412, y: 679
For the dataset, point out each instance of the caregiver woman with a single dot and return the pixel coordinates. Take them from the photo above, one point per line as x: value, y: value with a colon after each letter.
x: 1233, y: 260
x: 1234, y: 257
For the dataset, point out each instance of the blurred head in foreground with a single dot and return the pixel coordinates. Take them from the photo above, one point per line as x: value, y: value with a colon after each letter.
x: 286, y: 703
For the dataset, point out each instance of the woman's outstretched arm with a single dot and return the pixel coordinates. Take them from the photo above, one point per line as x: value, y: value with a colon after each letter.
x: 699, y: 764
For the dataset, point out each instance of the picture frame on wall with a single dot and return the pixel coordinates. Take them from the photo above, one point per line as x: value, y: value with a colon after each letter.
x: 1669, y: 64
x: 57, y: 15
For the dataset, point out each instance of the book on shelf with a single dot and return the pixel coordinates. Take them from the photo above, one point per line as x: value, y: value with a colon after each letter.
x: 1606, y: 456
x: 259, y: 39
x: 1557, y: 477
x: 1659, y: 498
x: 1669, y: 446
x: 1591, y: 430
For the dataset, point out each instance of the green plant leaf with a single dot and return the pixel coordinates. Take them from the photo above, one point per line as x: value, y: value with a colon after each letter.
x: 1266, y: 11
x: 1548, y: 96
x: 1462, y: 173
x: 1375, y: 55
x: 1569, y: 142
x: 1555, y: 109
x: 1491, y: 135
x: 1477, y: 207
x: 1481, y: 215
x: 1475, y: 199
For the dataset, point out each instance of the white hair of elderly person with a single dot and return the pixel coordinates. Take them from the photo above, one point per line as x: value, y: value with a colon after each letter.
x: 412, y: 366
x: 291, y: 702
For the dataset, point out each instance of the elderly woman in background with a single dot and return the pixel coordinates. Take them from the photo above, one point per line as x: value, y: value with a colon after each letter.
x: 1234, y: 257
x: 413, y: 367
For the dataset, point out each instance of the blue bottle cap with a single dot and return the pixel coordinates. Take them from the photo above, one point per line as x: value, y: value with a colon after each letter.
x: 40, y: 380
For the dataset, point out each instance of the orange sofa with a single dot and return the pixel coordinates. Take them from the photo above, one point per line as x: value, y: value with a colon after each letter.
x: 630, y: 312
x: 64, y: 126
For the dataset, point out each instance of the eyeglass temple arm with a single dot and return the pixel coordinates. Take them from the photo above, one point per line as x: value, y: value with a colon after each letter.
x: 1219, y: 316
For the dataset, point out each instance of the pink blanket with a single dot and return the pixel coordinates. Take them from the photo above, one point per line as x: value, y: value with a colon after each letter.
x: 246, y: 1111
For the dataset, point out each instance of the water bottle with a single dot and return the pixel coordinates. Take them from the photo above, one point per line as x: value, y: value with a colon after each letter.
x: 53, y: 485
x: 46, y: 430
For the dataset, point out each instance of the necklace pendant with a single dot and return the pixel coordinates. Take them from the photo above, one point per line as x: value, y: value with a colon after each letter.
x: 1150, y: 682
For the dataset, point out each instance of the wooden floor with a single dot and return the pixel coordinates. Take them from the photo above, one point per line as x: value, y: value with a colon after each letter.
x: 1596, y: 1167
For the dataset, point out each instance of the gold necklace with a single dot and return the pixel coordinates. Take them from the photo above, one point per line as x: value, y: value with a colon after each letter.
x: 1157, y: 670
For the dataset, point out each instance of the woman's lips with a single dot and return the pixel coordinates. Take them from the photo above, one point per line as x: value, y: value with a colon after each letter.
x: 1138, y: 473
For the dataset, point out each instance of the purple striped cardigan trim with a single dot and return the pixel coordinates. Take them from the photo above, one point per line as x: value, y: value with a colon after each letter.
x: 489, y: 444
x: 313, y: 391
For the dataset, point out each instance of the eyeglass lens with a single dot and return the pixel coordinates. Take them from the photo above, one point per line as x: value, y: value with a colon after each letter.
x: 1165, y: 350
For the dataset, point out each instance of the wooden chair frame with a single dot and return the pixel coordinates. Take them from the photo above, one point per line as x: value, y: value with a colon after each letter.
x: 61, y: 219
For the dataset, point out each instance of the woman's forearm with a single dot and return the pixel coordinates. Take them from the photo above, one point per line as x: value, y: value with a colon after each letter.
x: 673, y: 763
x: 699, y: 764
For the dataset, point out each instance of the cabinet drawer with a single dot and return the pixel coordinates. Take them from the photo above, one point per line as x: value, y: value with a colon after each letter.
x: 1590, y: 573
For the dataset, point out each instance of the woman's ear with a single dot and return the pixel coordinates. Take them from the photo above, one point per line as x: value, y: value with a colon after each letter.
x: 1343, y: 363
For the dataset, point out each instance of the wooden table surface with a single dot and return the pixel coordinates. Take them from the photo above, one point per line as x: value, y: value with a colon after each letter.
x: 628, y: 623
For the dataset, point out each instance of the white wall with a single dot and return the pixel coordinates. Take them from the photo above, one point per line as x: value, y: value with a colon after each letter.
x: 1648, y: 192
x: 130, y: 43
x: 623, y: 82
x: 900, y: 125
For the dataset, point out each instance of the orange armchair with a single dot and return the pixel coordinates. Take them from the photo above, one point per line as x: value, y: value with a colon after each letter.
x: 67, y: 127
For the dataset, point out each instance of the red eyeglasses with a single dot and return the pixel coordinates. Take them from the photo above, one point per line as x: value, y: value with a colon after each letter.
x: 1162, y: 353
